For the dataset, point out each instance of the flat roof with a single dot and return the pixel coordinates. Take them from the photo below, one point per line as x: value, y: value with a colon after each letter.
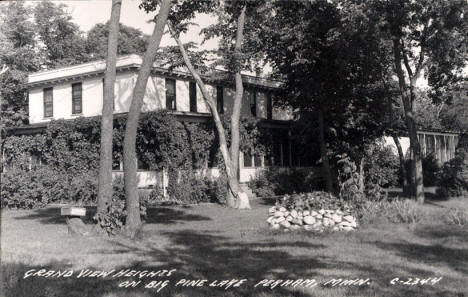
x: 133, y: 63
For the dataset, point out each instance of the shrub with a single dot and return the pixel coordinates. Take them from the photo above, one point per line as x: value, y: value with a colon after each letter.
x: 457, y: 216
x: 279, y: 181
x: 314, y: 201
x: 42, y: 185
x: 381, y: 167
x: 431, y: 170
x: 114, y: 219
x: 395, y: 211
x: 453, y: 179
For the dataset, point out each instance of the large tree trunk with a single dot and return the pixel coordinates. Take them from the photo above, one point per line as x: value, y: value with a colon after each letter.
x: 231, y: 174
x: 323, y: 153
x: 105, y: 161
x: 242, y: 201
x: 361, y: 175
x: 133, y: 221
x: 408, y: 96
x: 3, y: 70
x: 401, y: 157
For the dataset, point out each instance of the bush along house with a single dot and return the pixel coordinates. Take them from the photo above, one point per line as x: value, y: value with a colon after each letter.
x: 75, y: 93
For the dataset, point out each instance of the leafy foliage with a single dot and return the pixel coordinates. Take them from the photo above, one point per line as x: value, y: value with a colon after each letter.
x: 315, y: 201
x: 453, y: 179
x: 279, y: 181
x: 395, y: 211
x: 61, y: 164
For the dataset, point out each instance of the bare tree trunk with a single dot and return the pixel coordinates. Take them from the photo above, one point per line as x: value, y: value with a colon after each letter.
x: 361, y: 175
x: 401, y: 157
x: 231, y: 174
x: 105, y: 162
x: 133, y: 221
x: 407, y: 96
x: 2, y: 71
x: 323, y: 153
x: 242, y: 201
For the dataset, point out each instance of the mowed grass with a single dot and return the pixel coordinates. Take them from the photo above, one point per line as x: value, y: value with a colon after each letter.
x: 216, y: 243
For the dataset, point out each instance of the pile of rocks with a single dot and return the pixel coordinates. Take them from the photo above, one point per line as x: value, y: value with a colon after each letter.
x: 319, y: 220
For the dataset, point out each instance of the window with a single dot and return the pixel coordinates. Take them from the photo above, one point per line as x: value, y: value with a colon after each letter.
x: 247, y: 160
x: 142, y: 165
x: 219, y: 100
x: 257, y: 161
x: 193, y: 96
x: 269, y: 106
x: 170, y: 94
x: 48, y: 103
x: 253, y: 103
x: 77, y: 96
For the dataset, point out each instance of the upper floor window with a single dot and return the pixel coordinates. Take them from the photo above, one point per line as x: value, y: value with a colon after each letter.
x: 219, y: 100
x: 193, y: 96
x: 253, y: 103
x: 269, y: 106
x: 48, y: 102
x: 170, y: 94
x: 77, y: 98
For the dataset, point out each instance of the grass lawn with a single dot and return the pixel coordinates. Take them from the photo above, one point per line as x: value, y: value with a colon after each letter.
x: 215, y: 243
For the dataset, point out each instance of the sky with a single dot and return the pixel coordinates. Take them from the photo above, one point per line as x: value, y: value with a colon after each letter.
x: 87, y: 13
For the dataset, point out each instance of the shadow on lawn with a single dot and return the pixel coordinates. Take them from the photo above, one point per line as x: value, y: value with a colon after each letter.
x: 203, y: 255
x: 159, y: 215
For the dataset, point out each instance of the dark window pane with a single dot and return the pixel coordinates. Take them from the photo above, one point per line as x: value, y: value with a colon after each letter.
x: 142, y: 165
x: 219, y: 100
x: 193, y: 96
x: 170, y: 94
x: 253, y: 103
x: 257, y: 161
x: 269, y: 106
x: 247, y: 160
x: 48, y: 102
x: 77, y: 96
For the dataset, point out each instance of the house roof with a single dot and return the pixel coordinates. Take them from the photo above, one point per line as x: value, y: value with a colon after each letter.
x: 133, y: 63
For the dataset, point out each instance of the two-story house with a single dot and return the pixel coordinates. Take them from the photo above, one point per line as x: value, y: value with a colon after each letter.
x: 77, y: 91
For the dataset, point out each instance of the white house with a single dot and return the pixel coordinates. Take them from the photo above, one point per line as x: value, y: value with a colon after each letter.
x: 77, y: 91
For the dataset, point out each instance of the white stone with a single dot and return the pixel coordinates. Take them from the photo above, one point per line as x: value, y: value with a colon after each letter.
x: 313, y: 213
x: 308, y: 220
x: 286, y: 213
x: 279, y: 214
x: 335, y: 228
x: 289, y: 218
x: 322, y: 211
x: 300, y: 214
x: 275, y: 226
x: 285, y: 224
x: 348, y: 228
x: 272, y: 209
x: 305, y: 213
x: 282, y: 209
x: 293, y: 213
x: 280, y: 219
x: 270, y: 219
x: 349, y: 218
x: 339, y: 212
x: 295, y: 227
x: 336, y: 218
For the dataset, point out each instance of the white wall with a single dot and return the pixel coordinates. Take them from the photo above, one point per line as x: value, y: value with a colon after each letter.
x: 154, y: 99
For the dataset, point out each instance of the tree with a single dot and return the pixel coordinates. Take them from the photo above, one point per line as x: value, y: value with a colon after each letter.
x: 61, y: 38
x: 229, y: 156
x: 130, y: 41
x: 133, y: 220
x: 332, y: 69
x: 426, y: 37
x: 105, y: 161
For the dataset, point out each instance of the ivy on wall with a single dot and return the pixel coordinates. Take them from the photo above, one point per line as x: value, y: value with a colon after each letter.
x: 58, y: 163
